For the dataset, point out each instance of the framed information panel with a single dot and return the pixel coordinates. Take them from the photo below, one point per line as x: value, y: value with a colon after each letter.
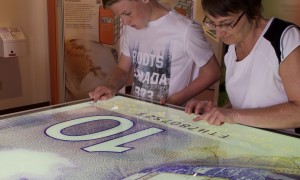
x: 127, y: 138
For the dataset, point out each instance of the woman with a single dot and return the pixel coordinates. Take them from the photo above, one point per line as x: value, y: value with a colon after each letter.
x: 262, y: 67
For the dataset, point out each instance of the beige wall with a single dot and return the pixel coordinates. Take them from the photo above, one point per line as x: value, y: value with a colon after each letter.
x: 284, y: 9
x: 31, y: 16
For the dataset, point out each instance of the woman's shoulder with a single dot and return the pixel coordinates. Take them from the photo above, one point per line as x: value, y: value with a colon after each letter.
x: 284, y: 37
x: 279, y: 25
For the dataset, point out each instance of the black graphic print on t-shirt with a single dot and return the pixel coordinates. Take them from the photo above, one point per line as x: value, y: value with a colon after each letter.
x: 151, y: 73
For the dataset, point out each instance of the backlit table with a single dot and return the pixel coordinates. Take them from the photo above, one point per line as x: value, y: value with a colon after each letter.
x: 127, y: 138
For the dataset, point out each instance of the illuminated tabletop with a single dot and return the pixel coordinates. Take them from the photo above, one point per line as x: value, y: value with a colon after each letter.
x: 125, y: 138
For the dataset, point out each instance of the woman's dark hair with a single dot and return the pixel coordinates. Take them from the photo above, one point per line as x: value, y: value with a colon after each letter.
x: 215, y: 8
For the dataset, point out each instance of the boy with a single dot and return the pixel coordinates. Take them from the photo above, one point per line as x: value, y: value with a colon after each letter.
x: 165, y: 50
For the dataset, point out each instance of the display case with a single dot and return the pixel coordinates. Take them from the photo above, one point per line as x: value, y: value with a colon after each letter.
x: 128, y: 138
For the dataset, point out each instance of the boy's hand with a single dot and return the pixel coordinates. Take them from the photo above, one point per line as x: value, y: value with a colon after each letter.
x: 103, y: 92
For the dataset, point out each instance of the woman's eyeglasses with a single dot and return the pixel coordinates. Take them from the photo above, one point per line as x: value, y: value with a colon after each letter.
x: 224, y: 26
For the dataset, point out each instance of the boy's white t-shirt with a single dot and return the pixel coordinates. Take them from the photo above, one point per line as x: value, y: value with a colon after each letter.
x: 166, y: 55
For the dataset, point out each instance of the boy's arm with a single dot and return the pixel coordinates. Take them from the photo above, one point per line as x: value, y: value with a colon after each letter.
x: 120, y: 74
x: 117, y: 80
x: 209, y: 74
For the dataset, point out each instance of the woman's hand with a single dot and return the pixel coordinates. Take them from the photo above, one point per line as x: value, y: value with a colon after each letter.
x: 198, y: 107
x: 208, y: 112
x: 217, y: 116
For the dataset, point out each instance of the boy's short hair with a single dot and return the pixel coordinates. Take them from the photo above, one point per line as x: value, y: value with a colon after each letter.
x: 107, y: 3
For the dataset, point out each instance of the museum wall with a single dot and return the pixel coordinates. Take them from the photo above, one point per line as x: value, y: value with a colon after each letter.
x: 24, y: 80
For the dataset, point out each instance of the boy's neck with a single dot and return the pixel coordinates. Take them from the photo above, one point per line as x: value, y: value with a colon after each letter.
x: 158, y: 10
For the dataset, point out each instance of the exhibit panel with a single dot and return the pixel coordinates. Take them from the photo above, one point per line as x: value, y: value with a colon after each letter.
x: 127, y: 138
